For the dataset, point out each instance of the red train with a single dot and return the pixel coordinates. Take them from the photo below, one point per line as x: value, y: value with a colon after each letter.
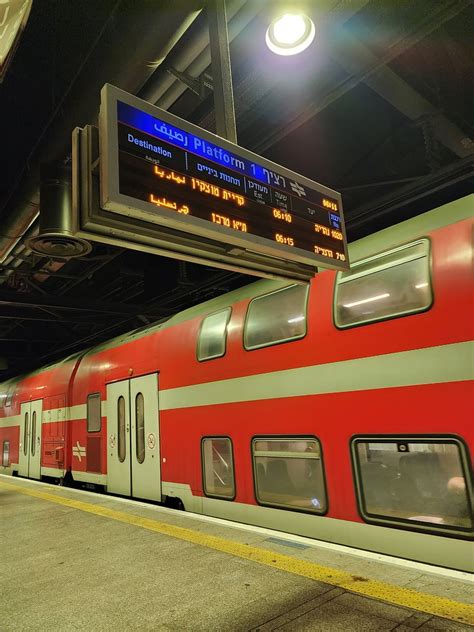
x: 340, y: 411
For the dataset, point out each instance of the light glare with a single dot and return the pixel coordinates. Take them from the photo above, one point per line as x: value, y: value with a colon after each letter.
x: 367, y: 300
x: 289, y: 29
x: 290, y: 34
x: 297, y: 319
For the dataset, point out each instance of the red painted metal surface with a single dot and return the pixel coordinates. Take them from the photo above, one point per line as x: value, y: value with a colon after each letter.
x: 171, y: 352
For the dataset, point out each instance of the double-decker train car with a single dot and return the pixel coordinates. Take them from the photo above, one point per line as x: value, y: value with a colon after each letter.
x: 341, y: 410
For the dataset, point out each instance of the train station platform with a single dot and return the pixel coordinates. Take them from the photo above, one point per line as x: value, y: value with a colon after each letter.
x: 77, y: 560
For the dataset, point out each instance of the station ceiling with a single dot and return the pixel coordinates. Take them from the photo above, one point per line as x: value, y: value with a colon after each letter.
x: 380, y: 108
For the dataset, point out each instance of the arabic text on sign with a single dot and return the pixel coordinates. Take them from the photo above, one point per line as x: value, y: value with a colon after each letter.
x: 169, y: 175
x: 169, y: 204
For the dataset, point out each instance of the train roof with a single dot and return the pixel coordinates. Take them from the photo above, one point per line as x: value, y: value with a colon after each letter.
x: 412, y: 228
x: 213, y: 305
x: 399, y: 233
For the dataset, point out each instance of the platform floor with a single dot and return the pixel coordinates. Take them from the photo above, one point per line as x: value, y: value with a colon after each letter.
x: 74, y: 560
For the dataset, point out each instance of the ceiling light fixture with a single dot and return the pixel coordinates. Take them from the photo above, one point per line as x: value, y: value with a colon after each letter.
x: 290, y: 34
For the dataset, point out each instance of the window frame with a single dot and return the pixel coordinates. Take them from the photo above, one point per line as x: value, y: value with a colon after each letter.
x: 221, y: 355
x: 33, y: 433
x: 426, y: 241
x: 3, y: 453
x: 89, y: 397
x: 143, y: 427
x: 119, y: 433
x: 308, y: 437
x: 283, y: 340
x: 26, y: 422
x: 401, y: 523
x: 9, y: 398
x: 203, y: 474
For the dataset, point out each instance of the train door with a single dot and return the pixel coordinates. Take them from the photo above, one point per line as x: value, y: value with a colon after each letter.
x: 29, y: 462
x: 133, y: 450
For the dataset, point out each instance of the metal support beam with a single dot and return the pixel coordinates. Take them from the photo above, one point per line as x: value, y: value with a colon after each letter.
x: 459, y: 171
x: 198, y: 86
x: 364, y: 66
x: 221, y: 70
x: 15, y: 299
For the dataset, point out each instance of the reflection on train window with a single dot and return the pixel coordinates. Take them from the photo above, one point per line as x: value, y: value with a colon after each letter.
x: 140, y: 427
x: 93, y: 413
x: 121, y: 448
x: 33, y: 433
x: 218, y: 467
x: 276, y: 317
x: 9, y: 399
x: 289, y: 473
x: 414, y: 481
x: 25, y: 435
x: 6, y: 453
x: 213, y: 335
x: 395, y: 283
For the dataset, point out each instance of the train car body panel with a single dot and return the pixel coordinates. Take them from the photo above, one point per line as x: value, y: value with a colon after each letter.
x: 361, y: 413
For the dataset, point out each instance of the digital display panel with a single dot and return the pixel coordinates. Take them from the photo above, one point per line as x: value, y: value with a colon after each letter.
x: 185, y: 176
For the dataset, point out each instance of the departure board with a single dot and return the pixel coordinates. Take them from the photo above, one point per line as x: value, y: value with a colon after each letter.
x: 179, y: 175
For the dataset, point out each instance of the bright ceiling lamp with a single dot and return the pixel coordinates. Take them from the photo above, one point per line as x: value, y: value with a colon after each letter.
x: 290, y: 34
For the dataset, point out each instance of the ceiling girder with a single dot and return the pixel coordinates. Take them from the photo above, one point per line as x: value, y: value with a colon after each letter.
x: 364, y: 66
x: 82, y: 305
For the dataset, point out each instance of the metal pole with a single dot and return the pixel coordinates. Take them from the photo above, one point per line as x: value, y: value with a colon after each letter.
x: 221, y: 70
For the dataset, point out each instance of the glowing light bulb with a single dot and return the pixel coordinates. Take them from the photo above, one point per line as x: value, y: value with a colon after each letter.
x: 290, y: 34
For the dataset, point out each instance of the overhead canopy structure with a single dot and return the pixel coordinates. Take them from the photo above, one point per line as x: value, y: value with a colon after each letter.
x: 379, y: 107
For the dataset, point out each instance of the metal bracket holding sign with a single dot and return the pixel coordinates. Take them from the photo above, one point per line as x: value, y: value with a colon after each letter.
x: 238, y: 209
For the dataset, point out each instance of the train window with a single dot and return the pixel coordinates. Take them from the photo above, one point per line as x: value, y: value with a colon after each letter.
x: 140, y: 427
x: 9, y: 398
x: 276, y: 317
x: 94, y: 419
x: 218, y: 467
x: 395, y: 283
x: 418, y: 482
x: 6, y: 453
x: 25, y: 435
x: 213, y: 335
x: 288, y: 472
x: 121, y: 429
x: 33, y: 433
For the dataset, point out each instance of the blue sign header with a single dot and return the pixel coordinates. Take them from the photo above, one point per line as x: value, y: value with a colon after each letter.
x: 165, y: 131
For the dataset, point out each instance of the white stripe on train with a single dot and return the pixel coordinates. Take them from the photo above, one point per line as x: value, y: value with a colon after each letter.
x: 430, y: 365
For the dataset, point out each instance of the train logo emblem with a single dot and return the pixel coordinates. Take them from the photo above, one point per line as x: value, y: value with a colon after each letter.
x: 151, y: 441
x: 297, y: 188
x: 79, y: 451
x: 112, y: 441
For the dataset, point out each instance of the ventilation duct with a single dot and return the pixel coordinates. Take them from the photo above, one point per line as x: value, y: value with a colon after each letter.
x: 55, y: 237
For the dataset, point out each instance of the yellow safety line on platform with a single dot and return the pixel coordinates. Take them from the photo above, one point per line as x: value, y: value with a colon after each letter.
x: 431, y: 604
